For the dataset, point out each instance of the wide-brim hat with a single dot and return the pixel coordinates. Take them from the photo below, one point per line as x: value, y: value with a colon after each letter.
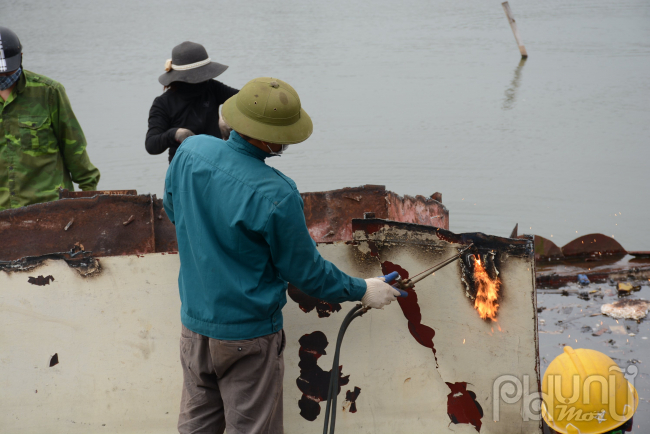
x: 269, y: 110
x: 190, y: 63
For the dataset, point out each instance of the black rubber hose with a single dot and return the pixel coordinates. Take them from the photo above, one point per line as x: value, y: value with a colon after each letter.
x: 332, y: 392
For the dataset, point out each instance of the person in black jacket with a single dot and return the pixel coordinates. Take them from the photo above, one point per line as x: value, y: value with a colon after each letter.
x: 190, y: 103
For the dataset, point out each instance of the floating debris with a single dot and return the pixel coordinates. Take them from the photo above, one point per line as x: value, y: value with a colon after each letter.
x: 618, y: 329
x: 627, y: 288
x: 626, y: 309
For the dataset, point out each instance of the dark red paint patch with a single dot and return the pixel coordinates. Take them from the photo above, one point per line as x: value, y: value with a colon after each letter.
x: 313, y: 382
x: 374, y: 251
x: 307, y: 303
x: 462, y: 406
x: 371, y: 228
x: 40, y: 280
x: 351, y: 397
x: 411, y: 309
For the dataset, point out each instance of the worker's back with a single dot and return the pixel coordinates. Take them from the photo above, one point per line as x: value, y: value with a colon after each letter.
x: 241, y: 236
x: 220, y: 195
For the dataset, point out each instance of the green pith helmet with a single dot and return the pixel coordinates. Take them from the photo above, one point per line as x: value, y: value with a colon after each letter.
x: 268, y: 109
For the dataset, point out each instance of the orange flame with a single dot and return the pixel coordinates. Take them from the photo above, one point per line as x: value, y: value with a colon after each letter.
x: 487, y: 292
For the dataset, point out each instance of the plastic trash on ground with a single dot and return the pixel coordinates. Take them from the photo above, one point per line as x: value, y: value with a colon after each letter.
x: 626, y: 309
x: 583, y: 279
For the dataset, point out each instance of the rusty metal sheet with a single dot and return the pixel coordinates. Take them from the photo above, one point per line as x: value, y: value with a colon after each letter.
x: 515, y: 247
x: 67, y: 194
x: 104, y: 225
x: 82, y: 217
x: 418, y: 210
x: 546, y: 249
x: 329, y: 213
x: 594, y: 246
x: 164, y: 230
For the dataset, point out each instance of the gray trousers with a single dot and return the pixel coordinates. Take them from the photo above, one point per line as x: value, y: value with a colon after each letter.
x: 231, y: 385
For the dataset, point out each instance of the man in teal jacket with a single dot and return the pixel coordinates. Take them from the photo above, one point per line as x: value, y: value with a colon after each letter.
x: 241, y: 238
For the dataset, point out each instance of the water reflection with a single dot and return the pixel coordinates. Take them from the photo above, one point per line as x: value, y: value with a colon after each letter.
x: 511, y: 92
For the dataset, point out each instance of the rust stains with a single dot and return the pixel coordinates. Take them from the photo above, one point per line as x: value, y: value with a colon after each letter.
x: 313, y: 382
x: 462, y: 406
x: 329, y: 214
x: 351, y: 399
x: 38, y: 229
x: 40, y: 280
x: 76, y: 258
x: 307, y: 303
x: 67, y: 194
x: 423, y: 334
x: 106, y: 223
x: 164, y: 230
x: 520, y: 247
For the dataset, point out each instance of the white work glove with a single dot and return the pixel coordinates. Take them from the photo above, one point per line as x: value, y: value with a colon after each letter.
x: 378, y: 293
x: 182, y: 134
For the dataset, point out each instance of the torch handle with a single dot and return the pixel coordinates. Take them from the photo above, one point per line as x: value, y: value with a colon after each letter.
x: 401, y: 285
x: 392, y: 276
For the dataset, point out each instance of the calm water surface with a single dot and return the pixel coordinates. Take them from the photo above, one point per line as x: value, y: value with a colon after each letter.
x: 421, y: 96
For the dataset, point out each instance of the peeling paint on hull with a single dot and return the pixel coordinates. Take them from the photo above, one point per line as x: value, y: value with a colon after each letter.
x: 115, y: 329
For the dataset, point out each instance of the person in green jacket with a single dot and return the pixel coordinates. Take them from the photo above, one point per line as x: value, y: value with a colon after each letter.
x: 42, y: 146
x: 242, y: 237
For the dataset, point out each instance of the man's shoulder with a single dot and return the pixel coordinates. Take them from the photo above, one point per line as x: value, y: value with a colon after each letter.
x: 33, y: 79
x: 202, y: 142
x: 255, y: 174
x: 284, y: 179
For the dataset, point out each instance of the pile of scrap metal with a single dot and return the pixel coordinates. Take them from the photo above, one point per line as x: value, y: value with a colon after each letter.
x: 90, y: 310
x: 596, y: 256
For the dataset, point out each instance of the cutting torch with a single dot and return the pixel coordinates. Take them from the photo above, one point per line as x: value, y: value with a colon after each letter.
x: 358, y: 310
x: 402, y: 284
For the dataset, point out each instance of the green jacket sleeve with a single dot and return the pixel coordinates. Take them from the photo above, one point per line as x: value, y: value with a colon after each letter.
x: 295, y: 256
x: 72, y: 142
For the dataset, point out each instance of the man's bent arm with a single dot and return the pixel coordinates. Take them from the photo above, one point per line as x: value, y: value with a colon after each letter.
x: 295, y: 256
x: 72, y: 142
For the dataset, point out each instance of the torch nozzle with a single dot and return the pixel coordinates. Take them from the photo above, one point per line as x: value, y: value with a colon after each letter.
x: 409, y: 283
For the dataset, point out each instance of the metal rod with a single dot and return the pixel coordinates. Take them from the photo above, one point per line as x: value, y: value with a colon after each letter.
x: 430, y: 271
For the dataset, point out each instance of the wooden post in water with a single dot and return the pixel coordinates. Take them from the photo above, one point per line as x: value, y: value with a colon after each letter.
x: 515, y: 30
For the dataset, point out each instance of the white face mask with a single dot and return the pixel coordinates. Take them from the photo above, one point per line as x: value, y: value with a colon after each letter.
x: 278, y: 153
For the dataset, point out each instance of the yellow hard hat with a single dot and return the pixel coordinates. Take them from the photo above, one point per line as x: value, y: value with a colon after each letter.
x: 585, y: 392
